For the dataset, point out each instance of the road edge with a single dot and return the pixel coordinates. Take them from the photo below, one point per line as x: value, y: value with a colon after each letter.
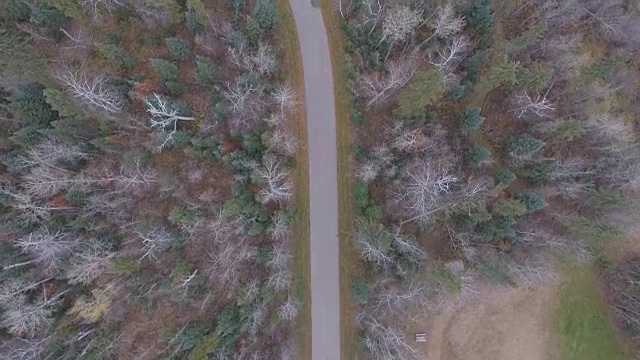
x: 349, y: 260
x: 290, y: 48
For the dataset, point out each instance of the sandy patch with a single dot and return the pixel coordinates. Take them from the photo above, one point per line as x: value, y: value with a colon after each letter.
x: 506, y: 325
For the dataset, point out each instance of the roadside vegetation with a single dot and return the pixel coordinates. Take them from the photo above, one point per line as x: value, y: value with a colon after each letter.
x: 488, y: 140
x: 150, y: 186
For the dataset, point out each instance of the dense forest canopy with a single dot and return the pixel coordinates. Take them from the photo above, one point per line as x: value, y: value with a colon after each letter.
x: 145, y: 186
x: 492, y: 139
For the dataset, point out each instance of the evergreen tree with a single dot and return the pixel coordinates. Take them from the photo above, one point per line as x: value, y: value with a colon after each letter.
x: 471, y: 119
x: 179, y: 48
x: 205, y: 71
x: 166, y: 70
x: 532, y: 200
x: 478, y: 155
x: 266, y: 14
x: 427, y: 86
x: 117, y: 56
x: 524, y: 145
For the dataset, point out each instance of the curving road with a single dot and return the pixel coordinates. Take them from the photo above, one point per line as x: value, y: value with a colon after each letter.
x: 323, y: 181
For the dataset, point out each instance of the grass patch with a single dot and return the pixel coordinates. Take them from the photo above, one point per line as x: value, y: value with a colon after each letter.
x: 584, y: 328
x: 350, y: 264
x: 292, y: 61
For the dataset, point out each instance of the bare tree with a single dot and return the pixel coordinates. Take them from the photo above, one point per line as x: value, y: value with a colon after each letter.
x: 263, y: 60
x: 378, y: 87
x: 280, y: 265
x: 24, y: 348
x: 446, y: 23
x: 538, y: 106
x: 282, y: 141
x: 380, y: 161
x: 285, y: 97
x: 246, y: 101
x: 386, y: 343
x: 131, y: 178
x: 28, y: 208
x: 96, y: 8
x: 373, y: 242
x: 154, y: 241
x: 228, y: 261
x: 288, y: 311
x: 45, y: 181
x: 275, y: 177
x: 279, y: 230
x: 164, y: 116
x: 373, y: 12
x: 400, y: 23
x: 451, y: 55
x: 52, y: 152
x: 23, y: 318
x: 392, y: 301
x: 47, y: 248
x: 408, y: 140
x: 96, y: 93
x: 86, y: 266
x: 426, y: 190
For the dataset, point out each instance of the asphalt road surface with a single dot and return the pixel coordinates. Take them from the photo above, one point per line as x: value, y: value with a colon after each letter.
x: 323, y: 181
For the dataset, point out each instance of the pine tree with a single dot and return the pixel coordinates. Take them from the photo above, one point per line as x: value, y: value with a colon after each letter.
x: 532, y: 200
x: 166, y: 70
x: 179, y: 48
x: 266, y: 14
x: 524, y: 145
x: 427, y: 86
x: 471, y: 119
x: 205, y: 71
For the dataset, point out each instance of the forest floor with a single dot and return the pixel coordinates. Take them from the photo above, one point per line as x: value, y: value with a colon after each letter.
x: 498, y: 325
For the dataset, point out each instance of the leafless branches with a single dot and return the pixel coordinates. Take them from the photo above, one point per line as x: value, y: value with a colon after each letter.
x: 44, y: 181
x: 96, y: 8
x: 288, y: 311
x: 26, y: 319
x: 30, y: 209
x: 408, y: 140
x: 285, y: 97
x: 446, y: 22
x: 164, y: 117
x: 538, y: 106
x: 426, y: 190
x: 400, y: 23
x: 154, y: 242
x: 391, y: 300
x: 96, y: 93
x: 385, y: 343
x: 378, y: 162
x: 51, y: 153
x: 378, y: 87
x: 246, y: 101
x: 280, y: 266
x: 277, y: 184
x: 86, y: 266
x: 263, y: 61
x: 230, y: 253
x: 451, y: 55
x: 279, y: 229
x: 47, y: 248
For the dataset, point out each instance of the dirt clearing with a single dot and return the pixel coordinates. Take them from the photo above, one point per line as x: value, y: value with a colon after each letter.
x: 506, y: 325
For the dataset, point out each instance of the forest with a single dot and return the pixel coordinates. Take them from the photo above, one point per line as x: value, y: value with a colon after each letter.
x: 493, y: 144
x: 147, y: 193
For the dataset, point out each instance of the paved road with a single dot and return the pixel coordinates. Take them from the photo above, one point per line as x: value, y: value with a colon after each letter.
x: 323, y: 181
